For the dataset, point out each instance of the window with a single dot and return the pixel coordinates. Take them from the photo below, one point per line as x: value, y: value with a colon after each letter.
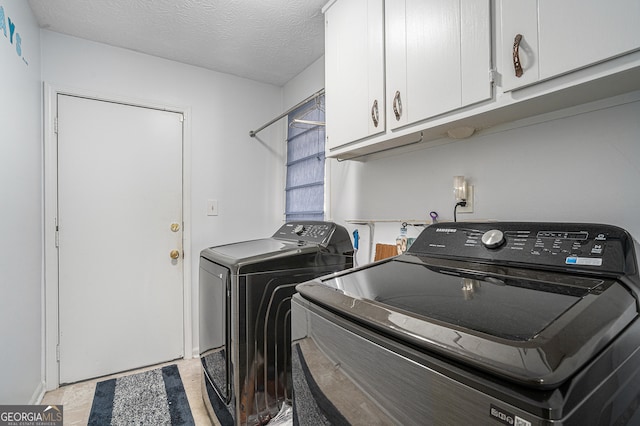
x: 305, y: 162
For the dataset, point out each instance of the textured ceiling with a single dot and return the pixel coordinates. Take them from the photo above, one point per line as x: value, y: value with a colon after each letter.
x: 264, y: 40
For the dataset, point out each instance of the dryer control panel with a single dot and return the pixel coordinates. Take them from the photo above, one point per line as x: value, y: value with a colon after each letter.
x: 594, y: 247
x: 310, y: 232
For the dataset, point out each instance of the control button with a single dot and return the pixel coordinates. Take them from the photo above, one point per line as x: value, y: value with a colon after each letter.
x: 493, y: 238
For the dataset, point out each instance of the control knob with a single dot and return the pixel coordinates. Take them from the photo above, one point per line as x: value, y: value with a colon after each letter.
x: 298, y: 230
x: 493, y: 239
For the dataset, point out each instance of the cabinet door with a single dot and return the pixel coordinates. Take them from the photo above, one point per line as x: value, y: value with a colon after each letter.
x: 577, y: 33
x: 354, y: 68
x: 560, y: 36
x: 518, y: 18
x: 475, y: 51
x: 438, y: 57
x: 396, y: 62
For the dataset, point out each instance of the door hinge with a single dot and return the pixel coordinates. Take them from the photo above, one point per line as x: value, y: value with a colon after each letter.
x: 55, y: 125
x: 182, y: 118
x: 56, y: 234
x: 492, y: 75
x: 57, y: 352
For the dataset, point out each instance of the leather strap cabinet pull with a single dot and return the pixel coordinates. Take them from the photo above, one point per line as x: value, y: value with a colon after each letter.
x: 516, y: 55
x: 397, y: 106
x: 375, y: 114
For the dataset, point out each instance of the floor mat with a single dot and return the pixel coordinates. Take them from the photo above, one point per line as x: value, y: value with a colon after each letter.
x: 155, y: 397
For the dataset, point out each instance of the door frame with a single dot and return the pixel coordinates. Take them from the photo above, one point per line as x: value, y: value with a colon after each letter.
x: 50, y: 314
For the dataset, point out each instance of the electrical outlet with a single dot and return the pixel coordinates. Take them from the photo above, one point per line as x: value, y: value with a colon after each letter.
x: 469, y: 207
x: 212, y: 207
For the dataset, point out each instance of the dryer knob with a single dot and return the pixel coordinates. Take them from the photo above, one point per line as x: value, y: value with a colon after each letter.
x: 493, y: 239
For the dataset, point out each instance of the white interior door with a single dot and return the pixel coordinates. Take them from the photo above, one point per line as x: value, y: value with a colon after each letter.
x: 119, y: 192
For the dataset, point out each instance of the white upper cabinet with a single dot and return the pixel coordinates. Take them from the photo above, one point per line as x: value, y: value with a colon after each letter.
x: 354, y: 70
x: 402, y: 72
x: 438, y: 56
x: 559, y: 36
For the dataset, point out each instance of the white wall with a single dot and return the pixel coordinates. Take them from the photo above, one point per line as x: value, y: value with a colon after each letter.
x: 576, y: 165
x: 21, y: 211
x: 579, y: 165
x: 304, y: 84
x: 244, y: 174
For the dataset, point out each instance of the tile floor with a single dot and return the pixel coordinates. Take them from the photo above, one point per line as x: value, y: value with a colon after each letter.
x: 78, y: 397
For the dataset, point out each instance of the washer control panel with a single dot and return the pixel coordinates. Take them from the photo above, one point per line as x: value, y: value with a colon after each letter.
x: 574, y: 246
x: 312, y: 232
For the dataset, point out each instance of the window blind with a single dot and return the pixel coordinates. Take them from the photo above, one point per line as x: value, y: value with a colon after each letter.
x: 305, y: 162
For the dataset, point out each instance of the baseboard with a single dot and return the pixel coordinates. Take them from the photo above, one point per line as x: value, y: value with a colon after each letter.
x: 38, y: 394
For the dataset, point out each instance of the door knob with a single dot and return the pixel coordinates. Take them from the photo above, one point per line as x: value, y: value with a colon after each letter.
x: 174, y: 254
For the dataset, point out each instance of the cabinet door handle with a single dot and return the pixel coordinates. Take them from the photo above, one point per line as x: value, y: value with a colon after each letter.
x: 375, y: 114
x: 397, y: 106
x: 516, y: 55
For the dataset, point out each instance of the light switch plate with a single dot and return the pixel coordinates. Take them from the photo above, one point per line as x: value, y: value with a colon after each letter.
x: 212, y: 207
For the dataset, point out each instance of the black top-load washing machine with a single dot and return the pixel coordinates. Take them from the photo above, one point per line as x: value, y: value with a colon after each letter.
x: 245, y: 331
x: 478, y: 323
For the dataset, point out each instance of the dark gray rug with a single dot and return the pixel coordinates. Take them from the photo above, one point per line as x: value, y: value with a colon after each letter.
x: 155, y: 397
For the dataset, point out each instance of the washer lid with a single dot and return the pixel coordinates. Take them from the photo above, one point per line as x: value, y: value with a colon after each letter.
x: 263, y: 254
x: 250, y: 249
x: 533, y: 327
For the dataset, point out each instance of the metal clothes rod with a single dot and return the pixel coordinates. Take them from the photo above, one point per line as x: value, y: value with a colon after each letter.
x: 253, y: 133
